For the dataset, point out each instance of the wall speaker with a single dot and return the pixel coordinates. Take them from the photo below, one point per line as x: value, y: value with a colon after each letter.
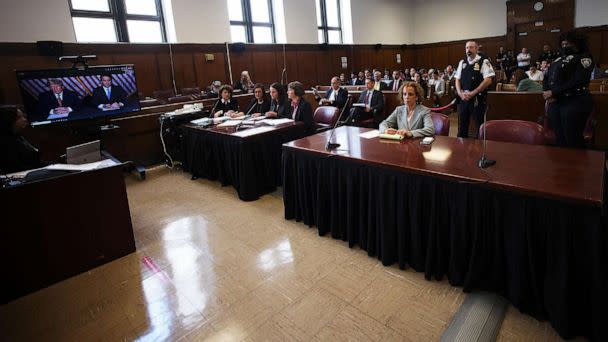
x: 49, y: 48
x: 238, y: 47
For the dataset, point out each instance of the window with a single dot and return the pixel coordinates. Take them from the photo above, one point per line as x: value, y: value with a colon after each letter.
x: 251, y: 21
x: 328, y: 21
x: 108, y: 21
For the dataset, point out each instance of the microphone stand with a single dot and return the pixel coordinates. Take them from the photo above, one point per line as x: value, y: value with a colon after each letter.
x: 484, y: 162
x: 329, y: 145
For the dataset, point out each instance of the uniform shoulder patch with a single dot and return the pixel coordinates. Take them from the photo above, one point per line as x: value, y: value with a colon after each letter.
x: 586, y: 62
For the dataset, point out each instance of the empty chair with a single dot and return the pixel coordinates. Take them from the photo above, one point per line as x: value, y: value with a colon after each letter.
x: 325, y: 117
x: 441, y: 123
x: 516, y: 131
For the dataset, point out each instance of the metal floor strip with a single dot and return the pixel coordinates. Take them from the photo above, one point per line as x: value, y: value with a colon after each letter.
x: 478, y: 319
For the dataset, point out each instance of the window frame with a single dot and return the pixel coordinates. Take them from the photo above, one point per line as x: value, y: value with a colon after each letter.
x: 249, y: 24
x: 325, y: 27
x: 118, y: 13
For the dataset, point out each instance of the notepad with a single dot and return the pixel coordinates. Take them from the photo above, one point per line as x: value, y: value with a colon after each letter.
x: 252, y: 131
x: 276, y: 122
x: 391, y: 136
x: 230, y: 123
x: 371, y: 134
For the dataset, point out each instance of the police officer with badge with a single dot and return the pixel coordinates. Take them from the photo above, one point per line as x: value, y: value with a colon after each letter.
x: 566, y: 89
x: 473, y: 76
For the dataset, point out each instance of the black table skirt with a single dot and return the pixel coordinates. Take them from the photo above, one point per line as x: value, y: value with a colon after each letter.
x: 252, y: 165
x: 547, y: 257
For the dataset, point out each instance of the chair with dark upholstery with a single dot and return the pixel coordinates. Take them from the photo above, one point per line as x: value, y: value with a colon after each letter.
x: 441, y: 123
x: 325, y: 117
x: 549, y: 133
x: 516, y: 131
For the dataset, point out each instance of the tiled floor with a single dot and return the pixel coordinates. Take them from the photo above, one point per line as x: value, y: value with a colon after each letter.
x: 211, y: 267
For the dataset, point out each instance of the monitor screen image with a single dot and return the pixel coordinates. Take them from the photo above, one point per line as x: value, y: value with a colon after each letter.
x: 61, y: 95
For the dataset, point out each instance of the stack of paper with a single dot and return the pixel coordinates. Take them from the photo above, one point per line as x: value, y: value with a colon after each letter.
x: 276, y: 122
x: 230, y: 123
x: 369, y: 135
x: 253, y: 131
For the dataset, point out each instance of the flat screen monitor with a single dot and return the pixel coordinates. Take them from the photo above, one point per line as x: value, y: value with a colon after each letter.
x: 62, y: 95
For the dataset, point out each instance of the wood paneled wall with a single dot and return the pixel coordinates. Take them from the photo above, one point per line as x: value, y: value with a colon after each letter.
x: 310, y: 64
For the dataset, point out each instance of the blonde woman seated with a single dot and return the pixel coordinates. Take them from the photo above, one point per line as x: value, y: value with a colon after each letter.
x: 411, y: 120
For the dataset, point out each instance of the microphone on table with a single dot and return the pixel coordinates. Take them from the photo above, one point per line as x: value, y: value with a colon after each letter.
x: 484, y: 162
x: 329, y: 145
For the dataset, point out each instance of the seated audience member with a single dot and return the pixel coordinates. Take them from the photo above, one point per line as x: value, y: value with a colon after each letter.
x: 396, y: 82
x: 213, y: 91
x: 411, y: 119
x: 373, y: 102
x: 534, y: 74
x: 16, y: 153
x: 418, y: 79
x: 226, y: 105
x: 544, y: 67
x: 108, y: 96
x: 343, y: 81
x: 523, y: 59
x: 245, y: 84
x: 547, y: 54
x: 336, y: 96
x: 439, y: 89
x: 300, y: 110
x: 260, y: 104
x: 500, y: 56
x: 379, y: 84
x: 387, y: 75
x: 449, y: 73
x: 279, y: 105
x: 360, y: 78
x: 412, y: 73
x: 367, y: 74
x: 523, y: 83
x: 58, y: 100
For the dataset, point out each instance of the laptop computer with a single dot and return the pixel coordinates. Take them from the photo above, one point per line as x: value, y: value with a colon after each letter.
x: 84, y: 153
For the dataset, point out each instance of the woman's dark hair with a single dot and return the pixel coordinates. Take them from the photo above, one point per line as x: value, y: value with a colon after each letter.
x: 519, y: 75
x: 260, y: 86
x: 298, y: 88
x: 226, y: 87
x: 281, y: 90
x: 8, y: 117
x: 577, y: 38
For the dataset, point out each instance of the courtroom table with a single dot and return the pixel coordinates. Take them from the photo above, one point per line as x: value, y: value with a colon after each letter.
x: 59, y: 227
x: 252, y: 164
x: 531, y: 228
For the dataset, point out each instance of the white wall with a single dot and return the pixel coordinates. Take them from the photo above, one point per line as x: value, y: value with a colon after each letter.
x: 199, y: 21
x: 301, y: 21
x: 591, y: 13
x: 32, y: 20
x: 445, y: 20
x: 382, y: 21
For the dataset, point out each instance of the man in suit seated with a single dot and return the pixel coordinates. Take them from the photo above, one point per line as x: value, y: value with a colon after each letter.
x: 108, y: 96
x: 57, y: 101
x: 336, y: 96
x: 371, y: 104
x: 396, y: 82
x: 379, y: 84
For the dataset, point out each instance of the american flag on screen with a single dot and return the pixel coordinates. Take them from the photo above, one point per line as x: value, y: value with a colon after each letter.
x: 82, y: 85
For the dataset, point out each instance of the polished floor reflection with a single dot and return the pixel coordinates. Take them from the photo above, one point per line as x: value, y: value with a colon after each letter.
x: 211, y: 267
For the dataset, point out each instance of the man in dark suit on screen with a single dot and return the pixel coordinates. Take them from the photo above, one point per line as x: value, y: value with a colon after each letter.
x: 58, y: 102
x: 108, y: 96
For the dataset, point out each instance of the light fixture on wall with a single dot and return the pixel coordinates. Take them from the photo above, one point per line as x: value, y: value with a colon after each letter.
x: 209, y: 57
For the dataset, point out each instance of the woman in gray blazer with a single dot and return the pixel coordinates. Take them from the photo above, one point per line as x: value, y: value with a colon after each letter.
x: 411, y: 120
